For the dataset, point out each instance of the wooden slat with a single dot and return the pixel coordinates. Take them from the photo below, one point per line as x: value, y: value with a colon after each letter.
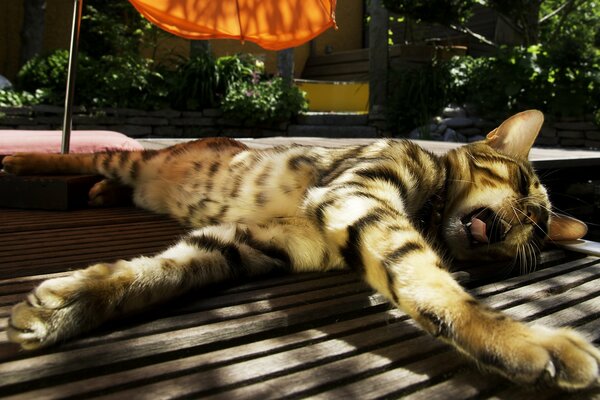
x: 319, y: 335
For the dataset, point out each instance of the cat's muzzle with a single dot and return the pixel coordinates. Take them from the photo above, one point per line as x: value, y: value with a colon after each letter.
x: 484, y: 226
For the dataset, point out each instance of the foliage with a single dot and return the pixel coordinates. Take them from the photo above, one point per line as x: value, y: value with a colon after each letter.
x: 263, y: 101
x: 194, y: 84
x: 47, y: 75
x: 549, y: 79
x: 12, y: 98
x: 113, y: 27
x: 438, y: 11
x: 415, y: 95
x: 236, y: 68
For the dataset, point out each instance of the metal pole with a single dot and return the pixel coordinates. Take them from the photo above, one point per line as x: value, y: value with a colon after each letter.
x: 70, y: 92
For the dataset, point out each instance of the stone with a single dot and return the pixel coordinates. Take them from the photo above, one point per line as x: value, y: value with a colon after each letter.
x: 127, y: 112
x: 196, y: 132
x: 450, y: 135
x: 134, y: 130
x: 166, y: 131
x: 571, y: 134
x: 458, y: 122
x: 46, y: 109
x: 192, y: 114
x: 485, y: 125
x: 593, y: 135
x: 547, y: 131
x: 470, y: 131
x: 471, y: 110
x: 441, y: 128
x: 572, y: 142
x: 546, y: 141
x: 89, y: 127
x: 415, y: 134
x: 592, y: 144
x: 147, y: 121
x: 19, y: 111
x: 454, y: 112
x: 34, y: 127
x: 165, y: 113
x: 13, y: 121
x: 475, y: 138
x: 212, y: 112
x: 576, y: 126
x: 422, y: 132
x: 193, y: 121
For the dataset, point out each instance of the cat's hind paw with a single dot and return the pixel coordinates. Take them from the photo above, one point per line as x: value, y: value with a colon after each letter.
x: 109, y: 192
x: 19, y: 164
x: 54, y: 311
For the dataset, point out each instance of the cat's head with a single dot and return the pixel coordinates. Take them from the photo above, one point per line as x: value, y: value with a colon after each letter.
x: 496, y: 208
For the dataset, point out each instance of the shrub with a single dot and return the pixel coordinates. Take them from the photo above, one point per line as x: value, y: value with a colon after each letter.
x: 46, y: 75
x: 12, y: 98
x: 415, y: 95
x: 194, y: 83
x: 554, y: 79
x: 263, y: 101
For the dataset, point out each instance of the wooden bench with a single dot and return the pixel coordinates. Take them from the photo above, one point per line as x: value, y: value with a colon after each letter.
x: 309, y: 335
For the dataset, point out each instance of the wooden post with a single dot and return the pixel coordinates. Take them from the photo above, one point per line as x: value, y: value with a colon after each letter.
x: 198, y: 47
x: 285, y: 64
x: 378, y: 59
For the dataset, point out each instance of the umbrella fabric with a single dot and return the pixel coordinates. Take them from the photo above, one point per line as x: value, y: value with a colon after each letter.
x: 272, y: 24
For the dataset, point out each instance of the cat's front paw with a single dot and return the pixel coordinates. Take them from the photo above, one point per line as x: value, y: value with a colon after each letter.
x: 55, y: 310
x: 559, y: 357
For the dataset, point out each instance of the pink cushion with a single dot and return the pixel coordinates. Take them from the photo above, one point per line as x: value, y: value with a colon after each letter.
x: 16, y: 141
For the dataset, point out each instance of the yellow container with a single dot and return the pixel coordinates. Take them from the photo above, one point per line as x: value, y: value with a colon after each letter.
x: 336, y: 95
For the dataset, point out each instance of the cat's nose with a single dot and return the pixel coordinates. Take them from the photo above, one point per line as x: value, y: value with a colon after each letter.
x: 531, y: 215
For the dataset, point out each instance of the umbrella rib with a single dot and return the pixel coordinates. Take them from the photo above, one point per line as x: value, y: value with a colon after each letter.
x: 237, y: 5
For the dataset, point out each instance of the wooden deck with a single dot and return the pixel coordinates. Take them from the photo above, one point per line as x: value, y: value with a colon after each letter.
x: 310, y: 335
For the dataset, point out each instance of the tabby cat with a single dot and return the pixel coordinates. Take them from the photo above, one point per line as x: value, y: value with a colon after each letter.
x: 390, y: 210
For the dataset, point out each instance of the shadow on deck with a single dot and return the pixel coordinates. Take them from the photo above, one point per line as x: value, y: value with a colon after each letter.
x: 322, y: 335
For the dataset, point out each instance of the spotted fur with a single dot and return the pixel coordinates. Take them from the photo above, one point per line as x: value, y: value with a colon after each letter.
x: 390, y: 210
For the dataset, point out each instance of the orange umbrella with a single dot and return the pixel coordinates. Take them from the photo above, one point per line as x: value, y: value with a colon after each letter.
x: 272, y: 24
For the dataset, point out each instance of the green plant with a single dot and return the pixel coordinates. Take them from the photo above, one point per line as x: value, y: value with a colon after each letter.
x: 415, y: 95
x: 12, y: 98
x: 556, y: 79
x: 194, y: 83
x: 239, y: 67
x: 46, y: 74
x: 263, y: 101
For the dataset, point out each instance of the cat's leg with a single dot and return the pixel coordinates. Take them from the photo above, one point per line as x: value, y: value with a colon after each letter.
x: 381, y: 243
x: 109, y: 192
x: 64, y: 307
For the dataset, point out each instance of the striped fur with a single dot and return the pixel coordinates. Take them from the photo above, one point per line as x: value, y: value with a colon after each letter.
x: 390, y: 210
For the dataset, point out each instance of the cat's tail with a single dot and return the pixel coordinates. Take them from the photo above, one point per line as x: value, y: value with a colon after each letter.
x: 124, y: 166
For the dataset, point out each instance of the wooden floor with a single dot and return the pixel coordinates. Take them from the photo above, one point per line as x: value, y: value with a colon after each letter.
x: 311, y: 335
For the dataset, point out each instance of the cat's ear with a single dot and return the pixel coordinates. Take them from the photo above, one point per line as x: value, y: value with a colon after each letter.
x: 516, y: 135
x: 562, y: 227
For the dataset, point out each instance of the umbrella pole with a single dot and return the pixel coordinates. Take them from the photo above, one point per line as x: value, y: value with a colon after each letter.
x: 68, y: 116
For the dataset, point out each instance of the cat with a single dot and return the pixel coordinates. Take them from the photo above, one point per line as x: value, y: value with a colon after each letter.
x: 390, y: 210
